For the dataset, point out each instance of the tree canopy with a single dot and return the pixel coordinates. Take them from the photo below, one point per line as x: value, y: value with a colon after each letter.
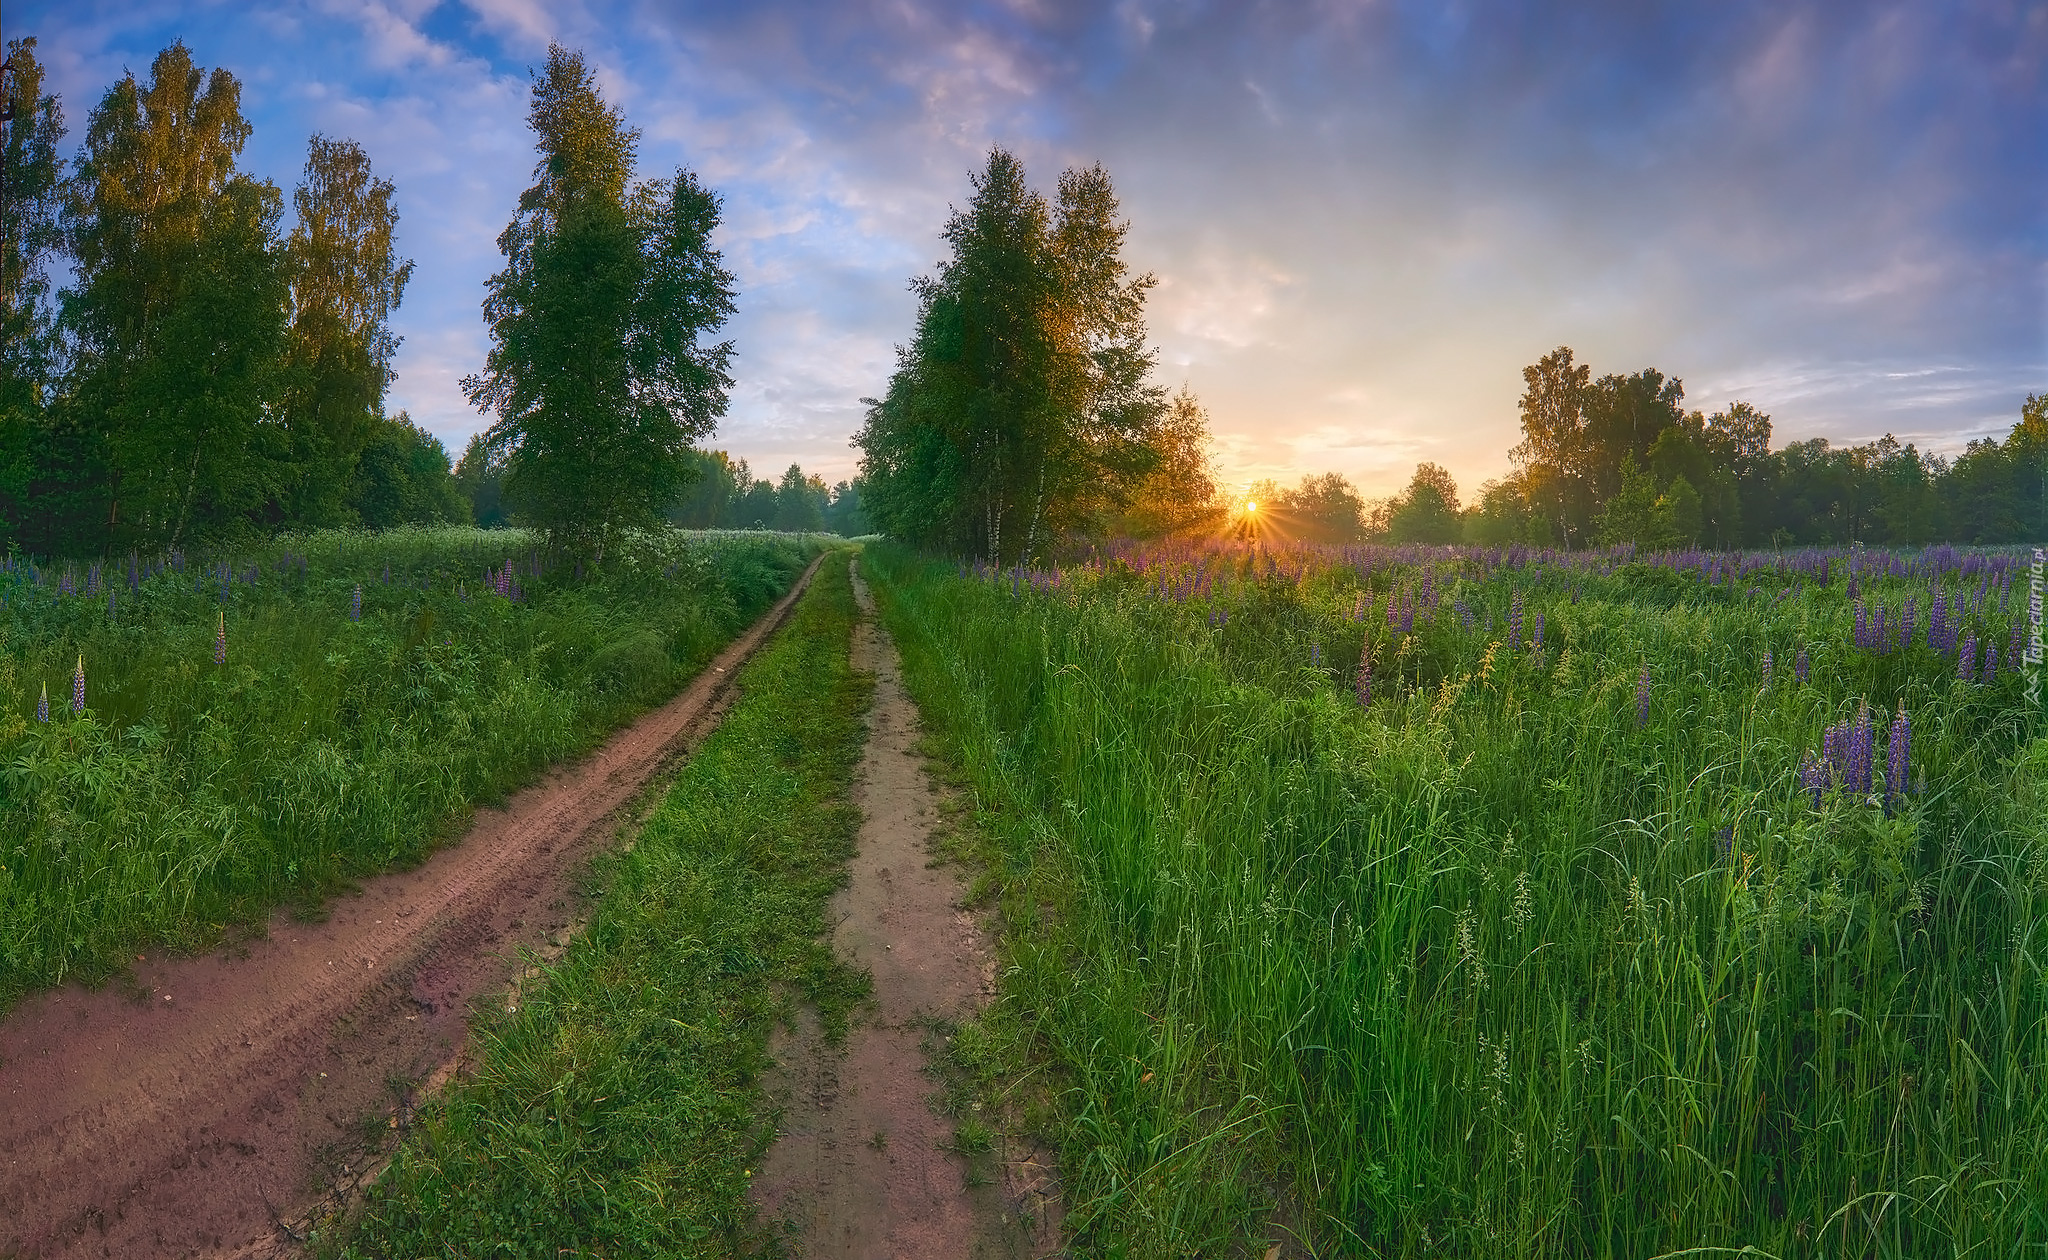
x: 1021, y: 410
x: 203, y: 376
x: 597, y: 373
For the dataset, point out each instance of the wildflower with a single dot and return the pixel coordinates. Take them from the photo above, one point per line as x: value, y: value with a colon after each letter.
x: 78, y: 688
x: 355, y: 604
x: 1990, y: 662
x: 220, y: 640
x: 1363, y: 681
x: 1898, y: 753
x: 1515, y: 621
x: 1812, y: 777
x: 43, y: 705
x: 1966, y: 660
x: 1767, y: 667
x: 1315, y: 656
x: 1643, y: 695
x: 1799, y: 664
x: 1859, y: 751
x: 1536, y: 632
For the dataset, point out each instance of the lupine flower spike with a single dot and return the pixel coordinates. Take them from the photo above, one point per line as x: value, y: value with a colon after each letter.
x: 1767, y: 667
x: 78, y: 688
x: 43, y: 705
x: 1898, y: 755
x: 1643, y: 696
x: 220, y: 640
x: 355, y: 604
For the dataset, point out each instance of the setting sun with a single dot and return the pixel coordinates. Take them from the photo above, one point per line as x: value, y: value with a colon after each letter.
x: 1250, y: 506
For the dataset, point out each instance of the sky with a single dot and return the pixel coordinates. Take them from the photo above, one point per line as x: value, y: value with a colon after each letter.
x: 1364, y: 218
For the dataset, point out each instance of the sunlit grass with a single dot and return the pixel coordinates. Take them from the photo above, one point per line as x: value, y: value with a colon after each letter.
x: 1490, y: 967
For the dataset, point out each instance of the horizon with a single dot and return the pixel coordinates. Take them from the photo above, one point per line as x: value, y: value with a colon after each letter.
x: 1837, y: 218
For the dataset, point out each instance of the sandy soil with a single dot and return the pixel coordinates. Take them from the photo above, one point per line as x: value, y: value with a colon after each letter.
x: 214, y: 1101
x: 863, y: 1166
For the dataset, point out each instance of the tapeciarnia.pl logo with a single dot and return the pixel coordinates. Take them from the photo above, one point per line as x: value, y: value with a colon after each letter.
x: 2034, y: 644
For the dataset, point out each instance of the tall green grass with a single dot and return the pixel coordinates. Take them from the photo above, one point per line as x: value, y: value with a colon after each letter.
x: 1488, y: 968
x: 191, y: 796
x: 618, y: 1113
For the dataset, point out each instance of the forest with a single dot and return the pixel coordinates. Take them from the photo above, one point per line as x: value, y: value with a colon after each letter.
x: 206, y: 374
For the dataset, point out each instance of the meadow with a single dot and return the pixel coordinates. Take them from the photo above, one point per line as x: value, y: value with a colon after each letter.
x: 1506, y: 903
x: 187, y: 741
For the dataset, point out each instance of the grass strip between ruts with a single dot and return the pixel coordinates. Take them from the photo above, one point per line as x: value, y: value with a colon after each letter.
x: 618, y: 1112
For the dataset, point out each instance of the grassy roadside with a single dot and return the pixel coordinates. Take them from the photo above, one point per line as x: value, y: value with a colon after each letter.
x: 1532, y: 953
x: 616, y: 1114
x: 266, y: 727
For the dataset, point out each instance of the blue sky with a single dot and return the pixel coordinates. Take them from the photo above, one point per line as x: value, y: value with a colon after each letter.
x: 1365, y: 218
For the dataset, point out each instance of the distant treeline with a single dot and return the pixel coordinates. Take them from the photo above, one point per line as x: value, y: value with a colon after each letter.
x: 722, y: 493
x: 1619, y: 460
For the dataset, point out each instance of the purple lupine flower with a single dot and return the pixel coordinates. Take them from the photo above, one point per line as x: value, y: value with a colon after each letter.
x: 1315, y: 656
x: 43, y: 705
x: 1799, y: 664
x: 1966, y: 660
x: 1833, y: 750
x: 1767, y: 667
x: 1990, y: 662
x: 1643, y: 695
x: 1536, y: 632
x: 1515, y: 621
x: 1861, y: 751
x: 220, y: 641
x: 2012, y: 647
x: 1812, y: 778
x: 355, y: 604
x: 78, y: 687
x: 1898, y: 753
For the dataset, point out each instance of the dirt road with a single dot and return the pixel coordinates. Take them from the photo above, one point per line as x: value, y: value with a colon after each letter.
x: 224, y: 1095
x: 863, y: 1167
